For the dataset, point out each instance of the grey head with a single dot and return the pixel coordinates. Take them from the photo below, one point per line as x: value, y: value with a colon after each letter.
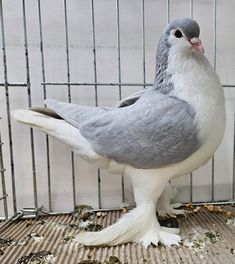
x: 183, y: 33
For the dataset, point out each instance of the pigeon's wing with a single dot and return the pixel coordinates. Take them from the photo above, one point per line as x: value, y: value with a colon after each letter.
x: 155, y: 131
x: 132, y: 98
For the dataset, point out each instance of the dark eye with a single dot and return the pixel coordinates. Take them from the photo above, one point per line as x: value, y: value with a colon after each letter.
x: 178, y: 34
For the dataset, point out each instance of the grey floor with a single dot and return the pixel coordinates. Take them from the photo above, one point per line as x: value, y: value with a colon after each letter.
x: 208, y: 237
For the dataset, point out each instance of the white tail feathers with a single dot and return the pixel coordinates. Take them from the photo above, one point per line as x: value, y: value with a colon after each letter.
x: 61, y: 130
x: 32, y: 118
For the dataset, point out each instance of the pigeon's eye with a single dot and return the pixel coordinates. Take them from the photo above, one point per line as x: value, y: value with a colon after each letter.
x: 178, y: 34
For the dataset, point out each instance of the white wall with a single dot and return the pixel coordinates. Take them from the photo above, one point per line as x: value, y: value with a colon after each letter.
x: 81, y: 66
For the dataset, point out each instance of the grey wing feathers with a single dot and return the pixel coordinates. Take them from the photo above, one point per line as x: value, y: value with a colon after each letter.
x: 155, y: 131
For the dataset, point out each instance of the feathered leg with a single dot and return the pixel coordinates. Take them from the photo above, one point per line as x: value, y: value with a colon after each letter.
x: 140, y: 224
x: 164, y: 205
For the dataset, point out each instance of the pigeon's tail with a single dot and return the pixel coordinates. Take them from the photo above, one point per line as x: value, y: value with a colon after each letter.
x: 33, y: 118
x: 139, y: 225
x: 61, y: 130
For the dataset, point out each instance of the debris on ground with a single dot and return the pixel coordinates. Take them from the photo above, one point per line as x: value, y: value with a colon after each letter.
x: 41, y: 222
x: 83, y: 212
x: 31, y: 236
x: 230, y: 221
x: 89, y: 261
x: 67, y: 239
x: 210, y: 207
x: 189, y: 206
x: 42, y: 257
x: 101, y: 214
x: 217, y: 209
x: 198, y: 240
x: 112, y: 260
x: 196, y: 210
x: 85, y: 219
x: 7, y: 241
x: 28, y: 223
x: 169, y: 222
x: 213, y: 236
x: 124, y: 206
x: 108, y: 260
x: 93, y: 227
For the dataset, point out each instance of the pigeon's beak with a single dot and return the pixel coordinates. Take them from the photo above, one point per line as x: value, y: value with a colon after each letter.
x: 196, y: 44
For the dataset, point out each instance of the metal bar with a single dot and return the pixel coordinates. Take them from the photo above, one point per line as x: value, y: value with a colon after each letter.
x: 143, y: 41
x: 167, y: 11
x: 30, y: 104
x: 191, y: 174
x: 111, y: 84
x: 119, y: 79
x: 45, y: 96
x: 229, y: 85
x: 95, y: 86
x: 8, y: 111
x: 4, y: 192
x: 3, y: 197
x: 233, y: 183
x: 191, y: 9
x: 214, y: 64
x: 191, y: 187
x: 69, y: 95
x: 94, y: 51
x: 14, y: 84
x: 119, y: 50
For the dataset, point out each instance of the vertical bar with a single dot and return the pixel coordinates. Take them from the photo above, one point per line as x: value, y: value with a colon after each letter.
x: 214, y: 62
x: 191, y: 174
x: 167, y: 11
x: 69, y: 95
x: 45, y: 96
x: 191, y: 9
x: 143, y: 41
x: 96, y: 92
x: 233, y: 184
x: 4, y: 193
x: 30, y: 104
x: 119, y: 50
x: 119, y: 80
x: 8, y: 111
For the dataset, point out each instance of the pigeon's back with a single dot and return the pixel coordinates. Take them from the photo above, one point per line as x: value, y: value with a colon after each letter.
x: 150, y: 133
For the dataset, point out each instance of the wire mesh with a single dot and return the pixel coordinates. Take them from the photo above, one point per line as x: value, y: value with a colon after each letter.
x: 69, y: 84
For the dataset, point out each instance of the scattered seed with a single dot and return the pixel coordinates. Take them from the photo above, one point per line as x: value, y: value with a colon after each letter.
x: 125, y: 210
x: 41, y: 257
x: 98, y: 214
x: 112, y: 260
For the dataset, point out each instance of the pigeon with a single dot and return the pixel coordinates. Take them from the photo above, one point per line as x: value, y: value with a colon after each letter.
x: 152, y: 136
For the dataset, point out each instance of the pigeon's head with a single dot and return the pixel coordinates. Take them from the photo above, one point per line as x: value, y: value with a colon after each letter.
x: 183, y: 35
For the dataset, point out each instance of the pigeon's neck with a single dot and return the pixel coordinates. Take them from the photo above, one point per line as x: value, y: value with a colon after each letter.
x: 162, y: 78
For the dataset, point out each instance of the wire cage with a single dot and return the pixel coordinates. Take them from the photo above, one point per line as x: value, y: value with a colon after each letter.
x: 94, y: 53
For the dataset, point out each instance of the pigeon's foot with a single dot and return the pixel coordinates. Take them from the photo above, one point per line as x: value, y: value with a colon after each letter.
x: 169, y: 211
x: 166, y: 236
x: 164, y: 206
x: 139, y: 225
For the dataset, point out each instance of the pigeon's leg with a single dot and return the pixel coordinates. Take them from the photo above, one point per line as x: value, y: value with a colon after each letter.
x: 140, y: 224
x: 165, y: 207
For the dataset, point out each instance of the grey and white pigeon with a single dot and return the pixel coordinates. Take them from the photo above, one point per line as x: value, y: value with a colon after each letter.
x: 152, y: 136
